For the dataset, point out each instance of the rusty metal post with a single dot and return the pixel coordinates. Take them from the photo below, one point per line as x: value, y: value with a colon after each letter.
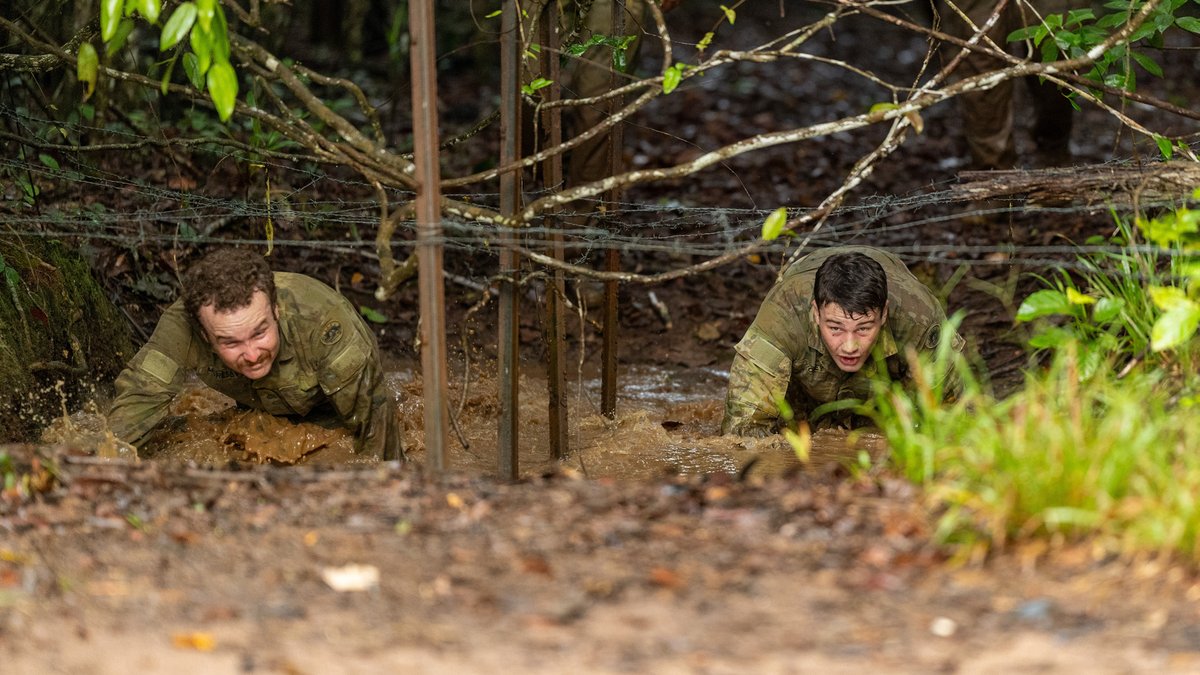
x: 429, y: 231
x: 552, y: 175
x: 612, y: 258
x: 510, y: 201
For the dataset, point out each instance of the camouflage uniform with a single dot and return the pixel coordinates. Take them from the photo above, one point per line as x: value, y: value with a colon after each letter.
x: 782, y: 354
x: 988, y: 115
x: 328, y: 363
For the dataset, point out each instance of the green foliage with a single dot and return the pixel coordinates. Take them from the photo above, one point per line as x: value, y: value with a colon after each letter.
x: 1128, y: 300
x: 535, y: 85
x: 371, y: 314
x: 773, y: 226
x: 205, y: 62
x: 1065, y: 456
x: 1074, y: 34
x: 619, y: 44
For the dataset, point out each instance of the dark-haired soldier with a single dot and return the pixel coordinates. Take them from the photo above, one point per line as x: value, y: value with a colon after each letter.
x: 822, y: 333
x: 280, y: 342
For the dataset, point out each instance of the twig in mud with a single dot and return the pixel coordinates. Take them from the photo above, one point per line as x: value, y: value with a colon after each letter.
x: 466, y: 364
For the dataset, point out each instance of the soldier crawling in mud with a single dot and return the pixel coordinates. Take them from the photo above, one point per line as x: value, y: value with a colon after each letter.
x: 824, y: 331
x: 280, y: 342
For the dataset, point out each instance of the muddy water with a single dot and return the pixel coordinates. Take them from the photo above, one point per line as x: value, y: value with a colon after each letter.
x: 668, y: 422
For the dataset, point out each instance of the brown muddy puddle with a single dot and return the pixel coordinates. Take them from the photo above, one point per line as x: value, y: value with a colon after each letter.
x: 668, y: 422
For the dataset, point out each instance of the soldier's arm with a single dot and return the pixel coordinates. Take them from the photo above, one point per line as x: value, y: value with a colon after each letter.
x: 145, y: 389
x: 352, y: 378
x: 758, y: 379
x: 762, y: 367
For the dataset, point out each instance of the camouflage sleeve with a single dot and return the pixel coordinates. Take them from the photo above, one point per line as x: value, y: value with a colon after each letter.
x: 353, y: 380
x: 150, y: 381
x: 758, y: 379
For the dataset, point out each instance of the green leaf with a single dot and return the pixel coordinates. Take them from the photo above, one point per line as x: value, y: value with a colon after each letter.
x: 1168, y: 298
x: 1052, y: 338
x: 123, y: 30
x: 191, y: 68
x: 49, y: 161
x: 206, y: 10
x: 1043, y: 303
x: 110, y: 17
x: 1107, y: 309
x: 672, y: 77
x: 219, y: 37
x: 1027, y: 33
x: 494, y: 14
x: 165, y: 83
x: 177, y: 26
x: 150, y: 9
x: 539, y: 83
x: 372, y: 315
x: 1175, y: 327
x: 730, y: 15
x: 1076, y: 298
x: 202, y: 47
x: 833, y: 407
x: 1164, y: 146
x: 773, y: 226
x: 1147, y: 63
x: 800, y: 441
x: 87, y: 68
x: 223, y: 87
x: 1189, y: 23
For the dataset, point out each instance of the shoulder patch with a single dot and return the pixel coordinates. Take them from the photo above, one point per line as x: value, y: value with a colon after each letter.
x: 160, y: 366
x: 932, y: 336
x: 331, y: 332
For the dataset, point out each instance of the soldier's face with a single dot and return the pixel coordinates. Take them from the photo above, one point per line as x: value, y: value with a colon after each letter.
x: 246, y: 339
x: 848, y: 338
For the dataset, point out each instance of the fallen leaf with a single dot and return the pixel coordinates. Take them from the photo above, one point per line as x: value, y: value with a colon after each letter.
x: 667, y: 578
x: 351, y: 578
x: 201, y: 642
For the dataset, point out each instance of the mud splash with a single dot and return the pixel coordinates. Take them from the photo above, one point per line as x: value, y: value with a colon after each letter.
x: 668, y: 423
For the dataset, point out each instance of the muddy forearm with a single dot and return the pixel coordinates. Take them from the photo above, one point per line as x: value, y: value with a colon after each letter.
x: 750, y: 406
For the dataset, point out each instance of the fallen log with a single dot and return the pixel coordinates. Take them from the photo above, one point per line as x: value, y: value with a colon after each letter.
x: 1098, y: 185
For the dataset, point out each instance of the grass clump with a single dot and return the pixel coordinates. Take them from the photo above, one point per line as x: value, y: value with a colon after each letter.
x: 1062, y: 456
x: 1103, y: 441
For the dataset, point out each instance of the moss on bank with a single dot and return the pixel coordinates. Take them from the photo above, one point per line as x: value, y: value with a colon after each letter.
x: 56, y: 326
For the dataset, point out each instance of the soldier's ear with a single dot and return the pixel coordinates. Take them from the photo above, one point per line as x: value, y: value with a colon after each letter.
x: 885, y: 312
x: 816, y: 316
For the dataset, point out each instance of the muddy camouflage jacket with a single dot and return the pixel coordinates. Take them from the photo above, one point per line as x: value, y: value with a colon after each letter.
x: 328, y: 363
x: 782, y: 355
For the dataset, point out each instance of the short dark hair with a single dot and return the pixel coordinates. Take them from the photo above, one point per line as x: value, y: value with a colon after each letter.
x: 227, y: 279
x: 854, y: 281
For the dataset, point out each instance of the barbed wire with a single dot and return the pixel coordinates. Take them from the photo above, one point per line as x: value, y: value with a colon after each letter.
x: 132, y: 211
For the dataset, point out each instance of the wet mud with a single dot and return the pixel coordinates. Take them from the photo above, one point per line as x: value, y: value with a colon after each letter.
x: 668, y: 424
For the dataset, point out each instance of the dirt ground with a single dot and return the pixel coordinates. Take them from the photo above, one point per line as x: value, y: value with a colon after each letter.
x: 163, y: 566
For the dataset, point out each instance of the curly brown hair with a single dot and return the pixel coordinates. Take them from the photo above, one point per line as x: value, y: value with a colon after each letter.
x: 227, y: 279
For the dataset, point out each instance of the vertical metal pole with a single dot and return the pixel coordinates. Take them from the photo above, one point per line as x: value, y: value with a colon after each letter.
x: 612, y: 259
x: 510, y: 198
x: 429, y: 230
x: 552, y: 172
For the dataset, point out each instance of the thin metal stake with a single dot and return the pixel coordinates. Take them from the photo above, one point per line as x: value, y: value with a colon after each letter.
x: 510, y: 202
x: 612, y: 259
x: 552, y: 176
x: 429, y: 230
